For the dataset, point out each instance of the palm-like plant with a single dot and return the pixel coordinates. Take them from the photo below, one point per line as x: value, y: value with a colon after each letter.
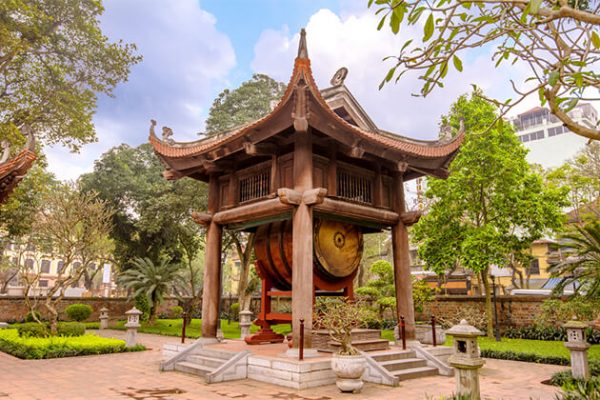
x: 152, y: 279
x: 582, y: 268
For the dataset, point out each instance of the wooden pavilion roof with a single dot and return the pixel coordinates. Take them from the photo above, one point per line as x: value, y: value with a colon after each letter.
x: 179, y: 156
x: 13, y: 170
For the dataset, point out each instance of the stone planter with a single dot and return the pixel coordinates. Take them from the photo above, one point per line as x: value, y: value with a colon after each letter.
x: 349, y: 370
x: 424, y: 335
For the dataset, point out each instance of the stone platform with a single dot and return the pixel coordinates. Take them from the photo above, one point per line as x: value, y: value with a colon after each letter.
x: 362, y: 339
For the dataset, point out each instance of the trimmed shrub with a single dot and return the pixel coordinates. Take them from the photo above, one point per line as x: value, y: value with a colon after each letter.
x: 565, y: 377
x: 527, y: 357
x: 234, y: 311
x: 33, y: 330
x: 581, y: 390
x: 143, y: 304
x: 176, y: 312
x: 78, y: 312
x: 30, y: 314
x: 549, y: 333
x: 70, y: 329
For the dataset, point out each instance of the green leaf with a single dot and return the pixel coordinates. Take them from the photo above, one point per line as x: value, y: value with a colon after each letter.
x: 534, y: 6
x: 553, y: 78
x: 381, y: 23
x: 405, y: 45
x: 596, y: 39
x: 457, y: 63
x: 395, y: 23
x: 428, y: 30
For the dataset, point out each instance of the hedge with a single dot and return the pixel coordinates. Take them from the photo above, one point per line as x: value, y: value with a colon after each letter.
x: 527, y: 357
x: 54, y: 347
x: 548, y: 333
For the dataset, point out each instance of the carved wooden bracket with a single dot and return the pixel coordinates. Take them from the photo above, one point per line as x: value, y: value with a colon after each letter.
x: 409, y: 218
x: 202, y: 218
x: 402, y: 166
x: 261, y: 149
x: 171, y: 175
x: 300, y: 114
x: 308, y: 197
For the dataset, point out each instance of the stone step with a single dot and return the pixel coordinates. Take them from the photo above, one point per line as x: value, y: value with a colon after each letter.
x: 205, y: 360
x: 366, y: 345
x: 387, y: 355
x: 192, y: 368
x: 213, y: 353
x: 413, y: 373
x: 403, y: 363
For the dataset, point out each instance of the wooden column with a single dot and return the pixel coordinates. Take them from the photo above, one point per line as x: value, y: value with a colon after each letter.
x: 211, y: 295
x: 332, y: 172
x: 402, y: 276
x: 302, y: 233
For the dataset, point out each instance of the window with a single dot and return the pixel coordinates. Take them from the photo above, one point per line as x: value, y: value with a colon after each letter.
x: 29, y: 263
x: 43, y: 283
x: 60, y: 266
x: 534, y: 267
x: 557, y: 131
x: 14, y: 281
x: 538, y: 135
x: 45, y: 267
x: 30, y: 247
x: 76, y: 265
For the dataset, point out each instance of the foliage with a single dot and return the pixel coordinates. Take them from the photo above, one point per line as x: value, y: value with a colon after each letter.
x: 33, y: 316
x: 421, y: 293
x: 526, y: 357
x: 33, y: 329
x: 153, y: 280
x: 69, y: 329
x: 79, y: 312
x: 53, y: 347
x: 582, y: 268
x: 565, y: 377
x: 53, y: 62
x: 249, y: 102
x: 234, y: 311
x: 558, y: 41
x: 492, y: 206
x: 176, y: 311
x: 555, y: 311
x: 380, y: 289
x: 339, y: 317
x: 581, y: 390
x: 75, y: 228
x: 550, y: 333
x: 152, y: 215
x: 143, y: 304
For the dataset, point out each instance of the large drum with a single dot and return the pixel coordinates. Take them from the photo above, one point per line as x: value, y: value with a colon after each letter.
x: 338, y: 250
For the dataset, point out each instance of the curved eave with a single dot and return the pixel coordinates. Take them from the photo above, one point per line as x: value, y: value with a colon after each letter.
x: 13, y: 171
x: 397, y: 148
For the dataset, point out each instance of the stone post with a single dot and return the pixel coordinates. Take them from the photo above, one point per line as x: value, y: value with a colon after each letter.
x: 132, y: 325
x: 466, y: 360
x: 104, y: 318
x: 578, y: 347
x: 245, y: 322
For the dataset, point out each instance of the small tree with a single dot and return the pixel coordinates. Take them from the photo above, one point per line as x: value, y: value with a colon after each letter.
x: 154, y: 280
x: 340, y: 317
x: 75, y: 228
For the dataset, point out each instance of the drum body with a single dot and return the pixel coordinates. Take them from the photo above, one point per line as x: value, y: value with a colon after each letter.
x: 337, y: 246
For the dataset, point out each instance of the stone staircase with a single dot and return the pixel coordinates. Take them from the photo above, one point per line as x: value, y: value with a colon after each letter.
x: 203, y: 362
x: 403, y: 364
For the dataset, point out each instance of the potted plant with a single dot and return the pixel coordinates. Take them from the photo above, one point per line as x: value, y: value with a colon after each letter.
x: 339, y: 316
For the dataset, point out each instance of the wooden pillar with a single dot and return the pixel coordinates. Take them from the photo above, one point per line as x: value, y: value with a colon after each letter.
x: 332, y: 172
x: 378, y: 187
x: 402, y: 276
x: 211, y: 295
x: 302, y: 233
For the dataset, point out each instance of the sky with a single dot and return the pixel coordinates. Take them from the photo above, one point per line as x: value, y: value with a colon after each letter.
x: 193, y: 49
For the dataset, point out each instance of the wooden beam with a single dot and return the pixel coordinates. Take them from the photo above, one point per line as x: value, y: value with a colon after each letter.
x: 260, y: 149
x: 410, y: 218
x: 202, y: 218
x: 252, y: 211
x: 441, y: 173
x: 314, y: 196
x: 289, y: 196
x: 357, y: 211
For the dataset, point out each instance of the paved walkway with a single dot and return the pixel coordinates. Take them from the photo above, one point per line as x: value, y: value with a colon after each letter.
x: 136, y: 376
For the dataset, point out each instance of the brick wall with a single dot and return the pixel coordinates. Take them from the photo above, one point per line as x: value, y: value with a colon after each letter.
x: 13, y: 308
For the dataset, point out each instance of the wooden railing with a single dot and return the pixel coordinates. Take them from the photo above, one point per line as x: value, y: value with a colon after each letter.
x: 354, y: 187
x: 255, y: 186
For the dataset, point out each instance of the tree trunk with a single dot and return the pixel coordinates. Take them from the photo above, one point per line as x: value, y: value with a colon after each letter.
x: 245, y: 256
x: 488, y: 304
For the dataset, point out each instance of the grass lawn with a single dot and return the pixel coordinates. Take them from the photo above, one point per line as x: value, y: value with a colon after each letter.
x: 172, y: 327
x: 54, y: 347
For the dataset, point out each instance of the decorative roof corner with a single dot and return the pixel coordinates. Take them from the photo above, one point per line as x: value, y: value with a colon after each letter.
x: 13, y: 170
x: 302, y: 48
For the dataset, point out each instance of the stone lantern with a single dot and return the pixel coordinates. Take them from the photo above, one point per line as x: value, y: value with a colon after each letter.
x: 132, y: 325
x: 104, y: 318
x: 578, y: 347
x: 245, y: 322
x: 466, y: 359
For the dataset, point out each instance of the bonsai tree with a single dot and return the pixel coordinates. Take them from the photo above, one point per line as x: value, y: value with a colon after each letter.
x: 340, y: 316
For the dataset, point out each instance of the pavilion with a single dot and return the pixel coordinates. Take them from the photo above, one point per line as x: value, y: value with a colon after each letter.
x: 14, y: 169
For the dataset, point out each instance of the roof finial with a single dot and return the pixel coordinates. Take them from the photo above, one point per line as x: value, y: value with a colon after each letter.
x: 302, y: 50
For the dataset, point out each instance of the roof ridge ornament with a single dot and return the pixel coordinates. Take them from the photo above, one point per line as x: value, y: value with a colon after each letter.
x: 338, y: 78
x: 302, y: 49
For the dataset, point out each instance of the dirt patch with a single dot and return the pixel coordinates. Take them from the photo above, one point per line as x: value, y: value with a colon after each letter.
x: 149, y: 394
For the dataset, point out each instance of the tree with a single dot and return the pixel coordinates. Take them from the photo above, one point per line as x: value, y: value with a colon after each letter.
x: 491, y: 206
x: 73, y: 226
x: 151, y: 279
x: 380, y: 289
x: 54, y: 60
x: 581, y: 269
x: 152, y: 215
x: 557, y: 39
x: 249, y: 102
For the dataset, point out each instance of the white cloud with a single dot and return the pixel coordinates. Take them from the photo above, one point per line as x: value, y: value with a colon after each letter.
x: 352, y: 40
x: 186, y: 62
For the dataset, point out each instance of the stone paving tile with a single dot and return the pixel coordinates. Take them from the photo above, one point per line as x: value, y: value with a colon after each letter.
x: 135, y: 376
